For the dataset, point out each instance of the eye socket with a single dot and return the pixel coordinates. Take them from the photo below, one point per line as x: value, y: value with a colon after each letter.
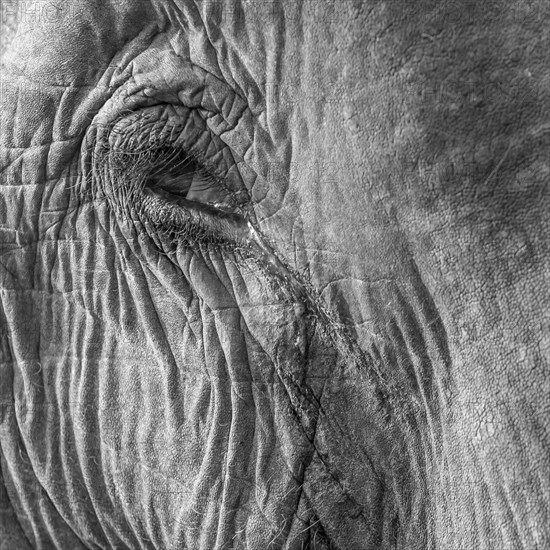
x: 184, y: 186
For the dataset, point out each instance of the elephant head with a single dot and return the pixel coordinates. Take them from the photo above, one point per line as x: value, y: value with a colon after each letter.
x: 274, y: 275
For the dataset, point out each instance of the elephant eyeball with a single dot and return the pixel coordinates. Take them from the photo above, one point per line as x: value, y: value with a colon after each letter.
x: 191, y: 183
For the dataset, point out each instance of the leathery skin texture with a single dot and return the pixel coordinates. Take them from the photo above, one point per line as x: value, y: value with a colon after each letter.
x: 344, y: 344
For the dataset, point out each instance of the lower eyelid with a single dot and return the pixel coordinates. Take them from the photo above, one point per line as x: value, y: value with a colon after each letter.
x: 193, y: 222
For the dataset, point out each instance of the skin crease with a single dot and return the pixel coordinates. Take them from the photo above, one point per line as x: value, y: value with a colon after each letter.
x: 384, y: 384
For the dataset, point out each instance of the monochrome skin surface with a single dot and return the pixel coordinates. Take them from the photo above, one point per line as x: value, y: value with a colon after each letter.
x: 274, y: 275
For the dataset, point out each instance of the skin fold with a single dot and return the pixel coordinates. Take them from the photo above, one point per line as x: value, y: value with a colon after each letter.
x: 346, y: 346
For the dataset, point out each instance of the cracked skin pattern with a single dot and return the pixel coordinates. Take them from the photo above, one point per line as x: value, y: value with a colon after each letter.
x: 391, y: 392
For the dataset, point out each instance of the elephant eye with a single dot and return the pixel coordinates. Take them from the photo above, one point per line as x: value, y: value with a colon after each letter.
x: 189, y: 182
x: 183, y: 196
x: 185, y: 186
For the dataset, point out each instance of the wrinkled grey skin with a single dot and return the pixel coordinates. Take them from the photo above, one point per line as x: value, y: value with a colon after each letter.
x: 358, y: 359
